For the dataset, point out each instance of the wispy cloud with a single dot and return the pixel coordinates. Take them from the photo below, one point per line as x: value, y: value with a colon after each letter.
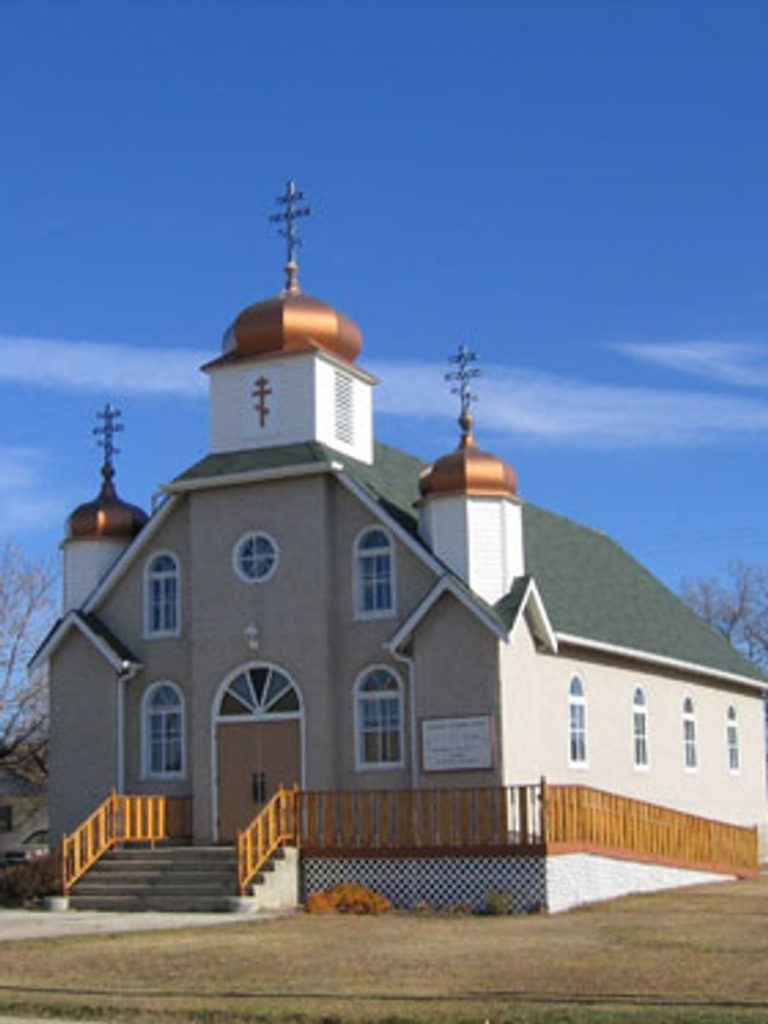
x: 569, y: 410
x: 514, y: 401
x: 25, y: 501
x: 101, y: 367
x: 732, y: 363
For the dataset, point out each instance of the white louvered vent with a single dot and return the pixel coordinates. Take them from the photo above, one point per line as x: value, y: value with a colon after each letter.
x: 344, y: 420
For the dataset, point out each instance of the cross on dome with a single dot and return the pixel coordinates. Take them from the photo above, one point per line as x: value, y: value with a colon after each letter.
x: 105, y: 433
x: 461, y: 379
x: 289, y: 216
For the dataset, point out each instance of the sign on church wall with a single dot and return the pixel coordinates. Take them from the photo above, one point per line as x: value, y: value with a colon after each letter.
x: 457, y: 744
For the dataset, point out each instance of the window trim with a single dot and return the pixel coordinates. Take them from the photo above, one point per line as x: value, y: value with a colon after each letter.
x: 361, y: 613
x: 640, y: 711
x: 689, y: 717
x: 236, y: 548
x: 732, y: 723
x: 577, y: 701
x: 358, y: 697
x: 158, y: 634
x: 146, y: 732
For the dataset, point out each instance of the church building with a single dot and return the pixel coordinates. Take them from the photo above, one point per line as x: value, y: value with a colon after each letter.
x: 309, y: 606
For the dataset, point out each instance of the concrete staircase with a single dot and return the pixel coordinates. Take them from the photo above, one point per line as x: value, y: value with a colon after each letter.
x: 175, y: 878
x: 184, y: 879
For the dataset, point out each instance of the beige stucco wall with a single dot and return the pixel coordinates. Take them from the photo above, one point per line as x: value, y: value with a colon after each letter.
x: 456, y: 672
x: 535, y: 701
x: 307, y: 627
x: 83, y: 763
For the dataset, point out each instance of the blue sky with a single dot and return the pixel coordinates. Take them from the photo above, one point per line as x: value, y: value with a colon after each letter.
x: 576, y: 190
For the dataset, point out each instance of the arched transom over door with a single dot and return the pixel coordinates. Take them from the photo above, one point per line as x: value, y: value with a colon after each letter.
x: 258, y: 743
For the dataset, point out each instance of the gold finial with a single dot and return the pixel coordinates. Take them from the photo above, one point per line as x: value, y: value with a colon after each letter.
x: 462, y: 377
x: 289, y: 232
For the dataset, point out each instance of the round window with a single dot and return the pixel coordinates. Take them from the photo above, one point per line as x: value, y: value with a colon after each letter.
x: 255, y: 557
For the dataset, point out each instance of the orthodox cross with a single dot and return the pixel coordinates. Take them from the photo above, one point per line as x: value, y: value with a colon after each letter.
x: 261, y: 391
x: 460, y: 379
x: 289, y: 216
x: 106, y: 431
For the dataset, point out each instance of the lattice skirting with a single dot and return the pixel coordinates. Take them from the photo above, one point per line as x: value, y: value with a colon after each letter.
x: 530, y: 883
x: 439, y: 881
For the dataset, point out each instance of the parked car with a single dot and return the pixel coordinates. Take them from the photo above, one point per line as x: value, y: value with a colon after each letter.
x: 34, y: 847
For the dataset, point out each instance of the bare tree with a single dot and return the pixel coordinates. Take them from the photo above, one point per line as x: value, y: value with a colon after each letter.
x: 736, y: 605
x: 26, y: 606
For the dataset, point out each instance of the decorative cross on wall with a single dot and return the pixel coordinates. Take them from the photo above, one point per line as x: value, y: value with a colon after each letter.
x: 261, y: 391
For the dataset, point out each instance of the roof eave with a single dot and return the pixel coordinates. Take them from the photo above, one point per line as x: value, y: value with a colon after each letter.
x: 648, y: 657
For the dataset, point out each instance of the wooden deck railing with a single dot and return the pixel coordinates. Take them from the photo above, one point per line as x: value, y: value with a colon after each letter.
x: 597, y: 820
x: 119, y: 819
x: 274, y: 826
x: 422, y: 818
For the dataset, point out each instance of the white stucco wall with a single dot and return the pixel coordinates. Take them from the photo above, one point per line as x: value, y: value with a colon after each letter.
x: 536, y: 739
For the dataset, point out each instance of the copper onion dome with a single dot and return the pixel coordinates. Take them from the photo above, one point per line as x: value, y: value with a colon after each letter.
x: 292, y: 322
x: 107, y: 517
x: 468, y: 471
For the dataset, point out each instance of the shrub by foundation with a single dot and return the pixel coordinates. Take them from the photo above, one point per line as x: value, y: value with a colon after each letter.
x: 348, y: 898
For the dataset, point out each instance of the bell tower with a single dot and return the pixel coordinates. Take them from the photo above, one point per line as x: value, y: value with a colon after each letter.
x: 287, y: 371
x: 100, y: 530
x: 470, y: 513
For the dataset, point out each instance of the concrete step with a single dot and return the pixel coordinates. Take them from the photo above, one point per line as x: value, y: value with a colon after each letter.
x: 210, y: 889
x: 148, y: 876
x: 129, y: 903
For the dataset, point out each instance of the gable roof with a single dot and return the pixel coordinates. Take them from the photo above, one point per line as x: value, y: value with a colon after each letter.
x: 594, y: 590
x: 592, y: 593
x: 94, y: 630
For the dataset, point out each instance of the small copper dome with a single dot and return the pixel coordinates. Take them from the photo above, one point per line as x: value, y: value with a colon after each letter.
x: 469, y: 471
x: 108, y: 517
x: 290, y: 322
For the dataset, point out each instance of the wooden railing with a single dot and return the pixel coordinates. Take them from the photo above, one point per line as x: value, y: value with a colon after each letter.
x: 274, y: 826
x: 422, y: 818
x: 119, y: 819
x: 594, y: 819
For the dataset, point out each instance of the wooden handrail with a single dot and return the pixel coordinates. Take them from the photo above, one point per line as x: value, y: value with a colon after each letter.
x: 274, y: 826
x: 471, y: 817
x: 119, y: 819
x: 581, y: 815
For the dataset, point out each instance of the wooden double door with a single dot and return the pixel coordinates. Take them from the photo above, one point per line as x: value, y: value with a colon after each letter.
x: 253, y: 760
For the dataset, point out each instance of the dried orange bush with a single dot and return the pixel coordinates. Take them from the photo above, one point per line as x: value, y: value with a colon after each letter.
x: 347, y: 898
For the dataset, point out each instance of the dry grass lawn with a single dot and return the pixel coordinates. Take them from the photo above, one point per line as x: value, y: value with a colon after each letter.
x: 694, y: 955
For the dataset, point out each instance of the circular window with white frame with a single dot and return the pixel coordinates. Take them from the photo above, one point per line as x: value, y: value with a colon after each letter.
x: 255, y: 557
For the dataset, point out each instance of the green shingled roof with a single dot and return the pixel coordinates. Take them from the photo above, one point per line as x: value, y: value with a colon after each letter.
x: 590, y: 586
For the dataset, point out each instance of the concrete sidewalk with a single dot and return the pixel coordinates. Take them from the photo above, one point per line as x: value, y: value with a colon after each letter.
x: 16, y: 925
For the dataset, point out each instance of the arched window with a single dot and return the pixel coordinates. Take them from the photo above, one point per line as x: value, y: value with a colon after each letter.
x: 732, y: 739
x: 258, y: 691
x: 163, y: 731
x: 689, y: 735
x: 374, y: 575
x: 379, y: 719
x: 162, y: 613
x: 577, y: 722
x: 640, y: 728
